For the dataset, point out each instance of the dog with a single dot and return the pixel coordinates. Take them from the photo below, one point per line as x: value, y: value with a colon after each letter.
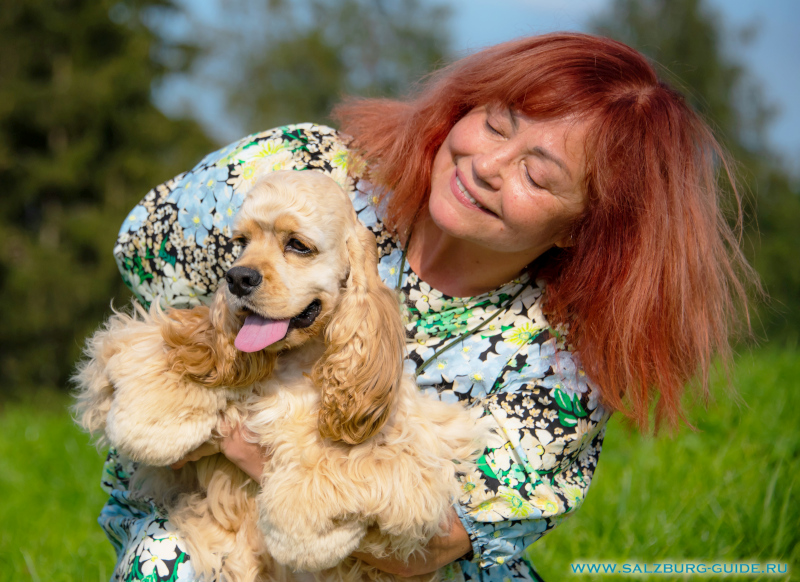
x: 304, y: 346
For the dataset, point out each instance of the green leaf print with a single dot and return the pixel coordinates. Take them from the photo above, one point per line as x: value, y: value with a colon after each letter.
x: 165, y: 256
x: 566, y: 419
x: 181, y: 559
x: 563, y: 400
x: 580, y: 411
x: 296, y: 135
x: 134, y: 573
x: 483, y: 465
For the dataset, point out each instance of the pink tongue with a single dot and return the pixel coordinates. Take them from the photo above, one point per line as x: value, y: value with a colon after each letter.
x: 257, y: 333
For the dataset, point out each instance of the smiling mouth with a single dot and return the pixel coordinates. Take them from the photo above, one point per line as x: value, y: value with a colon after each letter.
x: 258, y: 332
x: 306, y: 317
x: 463, y: 190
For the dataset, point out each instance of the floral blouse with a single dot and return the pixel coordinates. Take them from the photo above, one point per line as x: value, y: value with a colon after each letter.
x: 495, y: 351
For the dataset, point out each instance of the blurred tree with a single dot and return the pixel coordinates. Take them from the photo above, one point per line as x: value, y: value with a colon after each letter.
x: 308, y: 54
x: 691, y: 47
x: 80, y: 144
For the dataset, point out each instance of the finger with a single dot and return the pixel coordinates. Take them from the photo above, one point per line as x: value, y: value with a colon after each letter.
x: 204, y: 450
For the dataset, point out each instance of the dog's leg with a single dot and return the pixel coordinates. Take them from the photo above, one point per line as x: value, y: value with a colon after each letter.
x: 129, y: 391
x: 308, y: 514
x: 301, y: 534
x: 95, y: 390
x: 219, y: 524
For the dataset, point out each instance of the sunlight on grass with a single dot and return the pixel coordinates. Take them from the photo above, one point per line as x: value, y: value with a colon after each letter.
x: 50, y: 491
x: 728, y: 492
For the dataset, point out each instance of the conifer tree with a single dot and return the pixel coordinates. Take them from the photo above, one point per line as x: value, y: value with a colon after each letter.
x: 80, y: 143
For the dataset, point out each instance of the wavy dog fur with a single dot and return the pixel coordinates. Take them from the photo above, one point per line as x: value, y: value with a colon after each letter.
x: 360, y: 460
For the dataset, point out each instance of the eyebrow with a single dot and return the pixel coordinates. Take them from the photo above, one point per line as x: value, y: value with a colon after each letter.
x: 539, y: 150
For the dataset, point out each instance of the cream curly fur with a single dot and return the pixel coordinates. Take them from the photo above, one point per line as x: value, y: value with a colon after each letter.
x: 360, y: 460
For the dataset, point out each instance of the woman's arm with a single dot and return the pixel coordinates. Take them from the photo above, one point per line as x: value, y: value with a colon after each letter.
x: 441, y: 550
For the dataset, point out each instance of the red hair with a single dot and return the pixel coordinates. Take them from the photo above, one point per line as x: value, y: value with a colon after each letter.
x: 651, y: 287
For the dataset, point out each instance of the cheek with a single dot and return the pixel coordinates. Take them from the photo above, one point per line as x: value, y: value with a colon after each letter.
x: 322, y: 275
x: 444, y: 212
x: 536, y: 219
x: 442, y: 162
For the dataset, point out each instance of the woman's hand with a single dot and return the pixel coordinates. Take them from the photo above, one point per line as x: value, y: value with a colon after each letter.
x: 236, y: 444
x: 441, y: 551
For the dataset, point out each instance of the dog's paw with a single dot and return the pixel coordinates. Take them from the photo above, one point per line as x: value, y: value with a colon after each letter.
x: 159, y: 442
x: 308, y: 551
x: 157, y: 420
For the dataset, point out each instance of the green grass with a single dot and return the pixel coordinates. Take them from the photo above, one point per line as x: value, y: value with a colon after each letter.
x: 730, y: 492
x: 50, y: 497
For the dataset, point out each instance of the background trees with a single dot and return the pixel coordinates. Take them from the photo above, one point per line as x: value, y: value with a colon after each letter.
x: 311, y: 53
x: 81, y: 140
x: 692, y: 51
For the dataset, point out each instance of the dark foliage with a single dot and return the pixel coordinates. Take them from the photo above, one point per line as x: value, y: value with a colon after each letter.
x: 80, y: 143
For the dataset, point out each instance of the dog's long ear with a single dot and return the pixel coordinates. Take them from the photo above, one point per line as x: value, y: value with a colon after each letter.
x: 200, y: 342
x: 363, y: 361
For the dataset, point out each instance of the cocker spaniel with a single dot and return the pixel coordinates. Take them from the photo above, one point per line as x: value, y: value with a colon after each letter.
x: 304, y: 346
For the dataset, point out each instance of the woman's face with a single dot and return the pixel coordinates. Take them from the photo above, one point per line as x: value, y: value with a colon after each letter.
x: 509, y: 183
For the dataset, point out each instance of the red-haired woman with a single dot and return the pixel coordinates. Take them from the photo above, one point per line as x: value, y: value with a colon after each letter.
x: 549, y: 211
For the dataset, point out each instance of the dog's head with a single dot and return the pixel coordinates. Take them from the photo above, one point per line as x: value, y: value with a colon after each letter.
x: 291, y: 274
x: 308, y: 269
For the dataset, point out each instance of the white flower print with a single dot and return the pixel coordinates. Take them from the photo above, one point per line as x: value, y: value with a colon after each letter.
x: 545, y: 499
x: 581, y: 435
x: 501, y: 458
x: 421, y: 340
x: 275, y: 163
x: 178, y: 291
x: 542, y: 450
x: 243, y: 177
x: 261, y: 150
x: 155, y: 553
x: 341, y: 177
x: 426, y: 299
x: 473, y: 488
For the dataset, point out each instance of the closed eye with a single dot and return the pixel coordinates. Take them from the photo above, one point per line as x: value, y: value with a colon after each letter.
x: 531, y: 181
x: 491, y: 129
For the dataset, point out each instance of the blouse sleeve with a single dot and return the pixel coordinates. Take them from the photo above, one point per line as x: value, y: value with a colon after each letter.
x: 176, y: 243
x: 548, y: 430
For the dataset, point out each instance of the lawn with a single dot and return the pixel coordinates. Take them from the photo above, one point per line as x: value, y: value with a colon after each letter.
x: 729, y: 492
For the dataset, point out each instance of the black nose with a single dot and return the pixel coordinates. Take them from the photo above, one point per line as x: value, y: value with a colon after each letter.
x: 242, y: 280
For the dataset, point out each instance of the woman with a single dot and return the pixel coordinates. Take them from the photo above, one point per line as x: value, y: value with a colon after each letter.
x: 541, y: 199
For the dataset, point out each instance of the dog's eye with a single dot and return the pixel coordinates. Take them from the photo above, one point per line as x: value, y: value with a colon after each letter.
x: 295, y: 245
x: 241, y: 239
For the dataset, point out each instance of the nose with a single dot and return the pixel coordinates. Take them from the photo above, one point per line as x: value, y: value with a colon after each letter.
x: 242, y: 280
x: 488, y: 166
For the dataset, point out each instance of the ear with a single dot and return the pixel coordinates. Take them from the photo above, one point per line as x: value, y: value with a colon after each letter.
x: 566, y: 241
x: 200, y: 342
x: 363, y: 362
